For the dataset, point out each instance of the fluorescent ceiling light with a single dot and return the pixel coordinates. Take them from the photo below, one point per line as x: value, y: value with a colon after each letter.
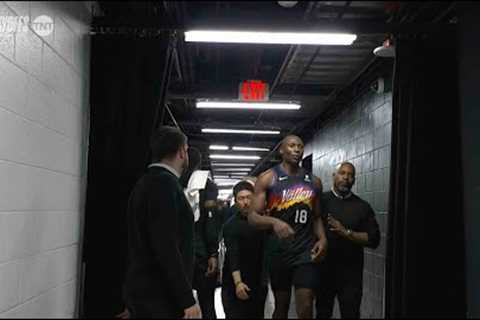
x: 217, y: 147
x: 249, y: 149
x: 227, y: 180
x: 234, y: 169
x: 227, y: 183
x: 229, y: 176
x: 270, y: 37
x: 226, y: 164
x: 225, y: 191
x: 229, y: 156
x: 247, y: 105
x: 209, y: 130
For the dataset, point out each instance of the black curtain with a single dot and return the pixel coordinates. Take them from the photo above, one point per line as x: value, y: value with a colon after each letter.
x: 126, y: 85
x: 425, y: 274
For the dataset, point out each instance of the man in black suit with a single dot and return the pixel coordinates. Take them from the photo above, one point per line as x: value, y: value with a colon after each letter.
x: 160, y: 235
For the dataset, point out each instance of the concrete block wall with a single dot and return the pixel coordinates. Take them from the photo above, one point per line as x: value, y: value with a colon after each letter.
x: 43, y: 151
x: 361, y: 134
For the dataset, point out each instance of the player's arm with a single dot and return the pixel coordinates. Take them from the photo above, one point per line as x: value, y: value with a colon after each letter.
x: 256, y: 216
x: 320, y: 248
x: 317, y: 210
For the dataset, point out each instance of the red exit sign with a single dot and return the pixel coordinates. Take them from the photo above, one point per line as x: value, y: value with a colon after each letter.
x: 253, y: 90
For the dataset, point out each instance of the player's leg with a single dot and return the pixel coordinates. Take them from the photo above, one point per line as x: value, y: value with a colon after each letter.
x: 282, y: 303
x: 281, y: 282
x: 305, y: 280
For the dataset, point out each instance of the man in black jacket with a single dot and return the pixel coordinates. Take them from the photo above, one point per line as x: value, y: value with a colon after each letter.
x: 244, y: 285
x: 202, y: 194
x: 351, y: 227
x: 160, y: 235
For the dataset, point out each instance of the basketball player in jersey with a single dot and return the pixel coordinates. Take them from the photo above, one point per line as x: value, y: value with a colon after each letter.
x: 287, y: 202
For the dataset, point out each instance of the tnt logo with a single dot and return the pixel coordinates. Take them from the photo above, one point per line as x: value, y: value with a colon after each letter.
x: 253, y: 90
x: 42, y: 25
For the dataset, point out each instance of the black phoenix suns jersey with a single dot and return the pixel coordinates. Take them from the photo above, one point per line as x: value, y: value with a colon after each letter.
x: 292, y: 199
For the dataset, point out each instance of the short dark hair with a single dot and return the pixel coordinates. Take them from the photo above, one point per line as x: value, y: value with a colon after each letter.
x: 195, y: 161
x: 284, y: 140
x: 242, y: 185
x: 195, y: 158
x: 166, y: 141
x: 346, y: 163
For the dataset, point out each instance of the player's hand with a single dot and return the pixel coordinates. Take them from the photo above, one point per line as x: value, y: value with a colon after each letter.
x: 282, y: 229
x: 319, y: 251
x: 335, y: 226
x: 241, y: 291
x: 193, y: 312
x: 212, y: 266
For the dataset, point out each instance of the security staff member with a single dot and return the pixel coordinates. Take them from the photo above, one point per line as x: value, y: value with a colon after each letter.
x: 351, y: 226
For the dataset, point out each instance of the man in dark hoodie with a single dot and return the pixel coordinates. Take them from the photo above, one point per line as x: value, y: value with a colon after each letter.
x: 202, y: 194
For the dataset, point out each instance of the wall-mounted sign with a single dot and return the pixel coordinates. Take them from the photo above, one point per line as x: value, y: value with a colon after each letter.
x: 253, y: 90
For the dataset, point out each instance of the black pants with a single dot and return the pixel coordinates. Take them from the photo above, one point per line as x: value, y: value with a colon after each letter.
x: 153, y: 309
x: 253, y: 308
x: 205, y: 287
x: 343, y: 283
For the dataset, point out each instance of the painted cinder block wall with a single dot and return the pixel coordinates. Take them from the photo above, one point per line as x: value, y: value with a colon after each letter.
x: 43, y: 148
x: 361, y: 134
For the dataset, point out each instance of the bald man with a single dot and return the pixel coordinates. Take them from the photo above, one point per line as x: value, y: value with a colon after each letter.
x: 297, y: 240
x: 351, y: 227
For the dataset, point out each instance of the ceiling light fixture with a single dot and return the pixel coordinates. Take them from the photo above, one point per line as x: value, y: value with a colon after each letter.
x: 304, y: 38
x: 247, y: 105
x: 233, y: 169
x: 226, y: 184
x: 249, y: 149
x: 387, y: 49
x: 225, y: 164
x: 218, y: 147
x: 209, y: 130
x: 237, y: 157
x: 227, y: 180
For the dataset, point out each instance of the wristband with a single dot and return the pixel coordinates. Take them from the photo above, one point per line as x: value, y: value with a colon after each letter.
x: 237, y: 283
